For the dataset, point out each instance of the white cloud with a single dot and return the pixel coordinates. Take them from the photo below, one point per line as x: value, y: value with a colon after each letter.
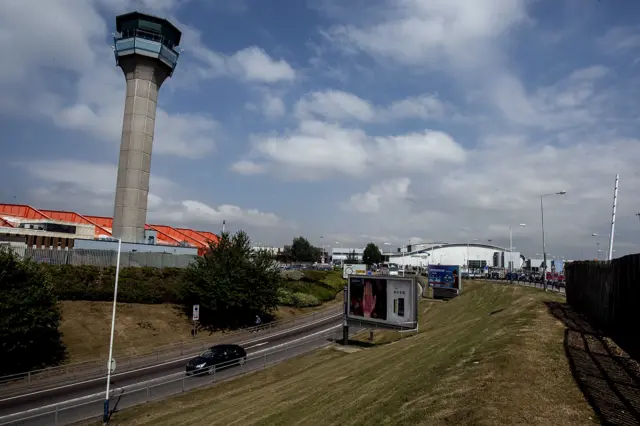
x: 502, y: 187
x: 82, y: 185
x: 380, y: 195
x: 317, y: 149
x: 273, y: 106
x: 432, y: 32
x: 336, y: 105
x: 95, y: 103
x: 572, y: 101
x: 252, y: 63
x: 190, y: 211
x: 247, y: 167
x: 620, y: 40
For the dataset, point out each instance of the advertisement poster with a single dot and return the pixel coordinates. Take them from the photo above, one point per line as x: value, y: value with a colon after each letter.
x: 384, y: 301
x: 445, y: 276
x: 353, y: 269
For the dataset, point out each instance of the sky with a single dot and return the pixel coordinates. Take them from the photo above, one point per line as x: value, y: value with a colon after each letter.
x: 346, y: 122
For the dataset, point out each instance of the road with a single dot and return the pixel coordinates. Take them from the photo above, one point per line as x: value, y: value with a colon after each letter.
x: 133, y: 386
x: 76, y: 372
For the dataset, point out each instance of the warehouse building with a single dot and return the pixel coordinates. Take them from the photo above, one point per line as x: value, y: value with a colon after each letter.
x: 477, y: 256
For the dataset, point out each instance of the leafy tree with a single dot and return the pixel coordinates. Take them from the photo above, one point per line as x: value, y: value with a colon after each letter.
x: 30, y: 317
x: 351, y: 257
x: 303, y: 251
x: 371, y: 255
x: 233, y: 283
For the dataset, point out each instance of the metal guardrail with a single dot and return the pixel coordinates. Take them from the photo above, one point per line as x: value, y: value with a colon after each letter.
x: 99, y: 365
x: 62, y: 413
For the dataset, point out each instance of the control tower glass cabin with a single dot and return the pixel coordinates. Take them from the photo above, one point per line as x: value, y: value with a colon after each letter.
x: 147, y: 35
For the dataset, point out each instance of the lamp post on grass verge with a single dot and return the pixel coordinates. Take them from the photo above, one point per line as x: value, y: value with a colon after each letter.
x: 110, y: 363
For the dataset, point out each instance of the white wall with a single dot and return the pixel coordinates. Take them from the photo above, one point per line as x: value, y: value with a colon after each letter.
x: 455, y: 255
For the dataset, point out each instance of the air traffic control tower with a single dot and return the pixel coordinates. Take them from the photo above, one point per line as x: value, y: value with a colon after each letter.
x: 145, y: 50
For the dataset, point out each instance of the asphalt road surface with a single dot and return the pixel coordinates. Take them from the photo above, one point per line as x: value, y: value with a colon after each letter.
x: 80, y: 401
x: 78, y: 372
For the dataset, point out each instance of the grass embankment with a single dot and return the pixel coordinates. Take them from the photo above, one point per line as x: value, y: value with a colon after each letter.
x: 492, y: 356
x: 141, y: 328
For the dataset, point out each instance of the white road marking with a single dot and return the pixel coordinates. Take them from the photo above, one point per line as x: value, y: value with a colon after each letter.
x: 162, y: 364
x: 255, y: 346
x: 123, y: 388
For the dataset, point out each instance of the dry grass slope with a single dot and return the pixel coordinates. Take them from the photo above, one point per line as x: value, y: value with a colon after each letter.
x: 493, y: 356
x: 139, y: 328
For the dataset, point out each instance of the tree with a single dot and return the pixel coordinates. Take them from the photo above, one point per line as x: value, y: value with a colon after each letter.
x: 303, y: 251
x: 371, y: 255
x: 232, y: 283
x: 352, y: 257
x: 30, y: 319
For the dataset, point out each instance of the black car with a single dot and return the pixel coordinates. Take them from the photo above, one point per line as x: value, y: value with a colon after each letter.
x: 216, y: 358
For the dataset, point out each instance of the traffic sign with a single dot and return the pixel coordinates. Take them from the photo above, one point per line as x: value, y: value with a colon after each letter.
x: 196, y: 312
x: 112, y: 366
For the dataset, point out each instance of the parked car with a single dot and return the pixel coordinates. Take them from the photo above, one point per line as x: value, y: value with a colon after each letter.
x: 216, y: 358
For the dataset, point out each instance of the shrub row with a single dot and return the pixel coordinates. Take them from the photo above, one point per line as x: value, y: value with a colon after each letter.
x: 166, y: 285
x: 135, y: 285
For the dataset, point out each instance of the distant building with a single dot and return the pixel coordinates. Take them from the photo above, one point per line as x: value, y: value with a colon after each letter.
x: 476, y: 256
x: 62, y: 229
x: 341, y: 254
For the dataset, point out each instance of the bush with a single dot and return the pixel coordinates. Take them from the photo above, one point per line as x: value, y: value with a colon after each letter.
x: 29, y: 334
x: 232, y: 283
x: 303, y: 300
x: 135, y: 285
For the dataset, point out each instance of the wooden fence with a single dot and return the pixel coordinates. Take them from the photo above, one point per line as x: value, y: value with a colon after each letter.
x: 607, y: 293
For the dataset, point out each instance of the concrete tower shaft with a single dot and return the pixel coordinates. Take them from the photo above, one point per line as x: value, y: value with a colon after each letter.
x: 144, y: 77
x: 145, y: 50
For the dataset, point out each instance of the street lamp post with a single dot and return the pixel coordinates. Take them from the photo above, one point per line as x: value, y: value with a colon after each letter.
x: 105, y: 418
x: 522, y: 225
x: 544, y: 247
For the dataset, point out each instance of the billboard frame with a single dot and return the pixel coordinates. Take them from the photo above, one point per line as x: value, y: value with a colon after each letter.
x: 383, y: 324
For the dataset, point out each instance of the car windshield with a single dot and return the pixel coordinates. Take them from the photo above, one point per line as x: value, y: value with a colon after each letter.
x: 207, y: 354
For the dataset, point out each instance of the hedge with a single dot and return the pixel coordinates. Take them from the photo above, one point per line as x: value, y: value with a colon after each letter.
x: 135, y: 285
x: 165, y: 285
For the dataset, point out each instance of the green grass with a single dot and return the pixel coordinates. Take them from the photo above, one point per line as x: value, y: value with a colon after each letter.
x: 492, y: 356
x: 311, y: 288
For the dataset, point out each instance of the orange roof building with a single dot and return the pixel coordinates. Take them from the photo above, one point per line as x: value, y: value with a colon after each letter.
x: 50, y: 222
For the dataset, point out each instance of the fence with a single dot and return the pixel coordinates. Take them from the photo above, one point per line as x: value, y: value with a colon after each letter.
x: 91, y: 406
x: 607, y: 293
x: 70, y: 373
x: 104, y: 258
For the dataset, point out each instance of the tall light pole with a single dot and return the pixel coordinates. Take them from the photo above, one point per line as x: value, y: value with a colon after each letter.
x: 544, y: 247
x: 110, y: 366
x: 522, y: 225
x: 613, y: 218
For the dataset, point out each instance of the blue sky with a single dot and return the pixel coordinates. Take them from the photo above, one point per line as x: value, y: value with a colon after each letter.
x: 378, y: 120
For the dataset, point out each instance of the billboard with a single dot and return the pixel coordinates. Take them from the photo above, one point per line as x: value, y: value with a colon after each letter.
x: 445, y: 276
x: 382, y: 302
x: 357, y: 269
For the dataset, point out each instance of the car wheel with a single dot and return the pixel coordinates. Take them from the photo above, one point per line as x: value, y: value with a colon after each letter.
x: 211, y: 371
x: 242, y: 360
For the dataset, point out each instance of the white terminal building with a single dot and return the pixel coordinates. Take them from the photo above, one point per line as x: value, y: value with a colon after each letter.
x: 340, y: 254
x: 477, y: 255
